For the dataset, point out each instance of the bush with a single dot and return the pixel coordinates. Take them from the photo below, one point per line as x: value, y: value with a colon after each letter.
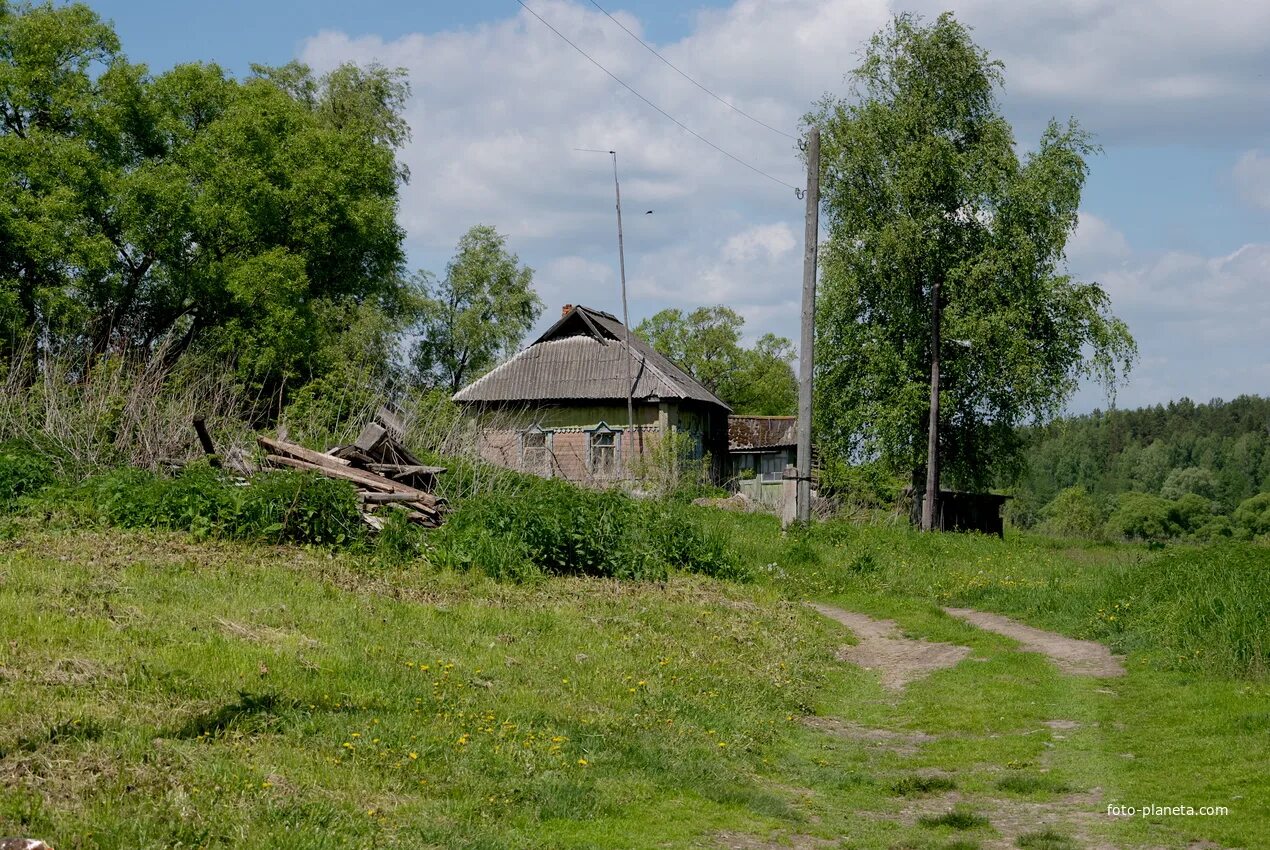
x: 298, y: 507
x: 1142, y: 516
x: 1192, y: 512
x: 282, y: 506
x: 1073, y: 513
x: 1252, y: 517
x: 561, y: 529
x: 23, y: 471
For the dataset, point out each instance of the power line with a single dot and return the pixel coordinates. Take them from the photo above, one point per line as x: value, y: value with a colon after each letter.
x: 684, y: 74
x: 672, y: 118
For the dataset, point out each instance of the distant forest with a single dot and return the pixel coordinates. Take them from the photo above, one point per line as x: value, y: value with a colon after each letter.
x: 1218, y: 452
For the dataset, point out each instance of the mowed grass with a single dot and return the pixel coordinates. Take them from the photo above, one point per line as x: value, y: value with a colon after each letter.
x: 157, y: 693
x: 1188, y: 725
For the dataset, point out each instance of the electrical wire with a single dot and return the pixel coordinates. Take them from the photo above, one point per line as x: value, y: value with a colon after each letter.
x: 684, y: 74
x: 666, y: 114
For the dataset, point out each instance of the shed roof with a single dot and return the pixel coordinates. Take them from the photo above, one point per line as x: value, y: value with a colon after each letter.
x: 761, y: 433
x: 584, y: 356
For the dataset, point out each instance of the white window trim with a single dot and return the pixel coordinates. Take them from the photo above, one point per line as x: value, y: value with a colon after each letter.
x: 604, y: 428
x: 547, y: 446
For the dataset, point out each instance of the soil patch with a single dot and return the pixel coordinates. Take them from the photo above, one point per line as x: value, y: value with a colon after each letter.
x: 883, y: 649
x: 1080, y: 657
x: 1077, y: 815
x: 902, y: 743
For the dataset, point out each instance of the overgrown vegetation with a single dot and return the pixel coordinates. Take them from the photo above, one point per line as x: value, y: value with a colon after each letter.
x: 561, y: 529
x: 279, y: 506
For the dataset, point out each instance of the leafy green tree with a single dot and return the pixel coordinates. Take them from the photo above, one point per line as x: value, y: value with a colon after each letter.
x: 189, y: 210
x: 924, y: 192
x: 1142, y: 516
x: 764, y: 383
x: 1192, y: 511
x: 1253, y: 515
x: 1074, y: 513
x: 1195, y: 480
x: 706, y: 344
x: 477, y: 314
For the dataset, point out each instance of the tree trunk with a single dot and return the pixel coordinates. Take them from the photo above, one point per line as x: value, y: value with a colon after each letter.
x: 930, y: 504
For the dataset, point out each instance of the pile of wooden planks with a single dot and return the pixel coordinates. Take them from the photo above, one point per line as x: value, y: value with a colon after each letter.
x: 386, y: 475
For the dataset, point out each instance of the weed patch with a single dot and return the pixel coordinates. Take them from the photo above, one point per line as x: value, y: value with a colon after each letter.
x: 276, y: 507
x: 1046, y: 840
x: 959, y: 817
x: 914, y: 786
x: 23, y: 471
x: 1032, y: 783
x: 559, y: 529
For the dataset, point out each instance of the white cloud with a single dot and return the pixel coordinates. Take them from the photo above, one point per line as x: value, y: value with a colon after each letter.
x: 1202, y: 324
x: 498, y: 108
x: 1096, y: 243
x: 1252, y: 178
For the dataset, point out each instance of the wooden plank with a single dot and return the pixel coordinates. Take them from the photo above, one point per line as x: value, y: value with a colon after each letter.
x: 371, y: 436
x: 395, y: 469
x: 393, y: 423
x: 205, y: 439
x: 366, y: 479
x: 381, y: 498
x: 282, y: 447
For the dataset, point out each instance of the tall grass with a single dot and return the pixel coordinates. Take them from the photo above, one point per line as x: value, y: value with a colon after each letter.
x: 1205, y: 609
x: 118, y: 410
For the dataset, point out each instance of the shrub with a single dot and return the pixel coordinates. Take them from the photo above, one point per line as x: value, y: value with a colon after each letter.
x: 1253, y: 515
x: 23, y: 471
x: 566, y: 530
x: 1191, y: 512
x: 1073, y: 513
x: 298, y: 507
x: 282, y: 506
x: 1142, y: 516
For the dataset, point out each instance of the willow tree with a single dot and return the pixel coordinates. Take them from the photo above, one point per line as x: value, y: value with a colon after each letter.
x: 932, y: 212
x: 188, y: 210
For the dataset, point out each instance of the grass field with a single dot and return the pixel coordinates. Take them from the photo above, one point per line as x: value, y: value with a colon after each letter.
x: 157, y: 692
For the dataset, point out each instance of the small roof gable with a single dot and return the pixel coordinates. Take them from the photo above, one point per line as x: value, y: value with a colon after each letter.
x: 583, y: 356
x: 760, y: 433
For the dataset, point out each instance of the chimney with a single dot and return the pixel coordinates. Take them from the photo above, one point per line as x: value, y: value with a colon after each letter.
x: 564, y: 311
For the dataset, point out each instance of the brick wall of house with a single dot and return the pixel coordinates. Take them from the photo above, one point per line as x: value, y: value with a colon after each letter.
x: 567, y: 454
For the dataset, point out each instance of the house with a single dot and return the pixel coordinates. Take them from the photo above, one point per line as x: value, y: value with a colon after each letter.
x: 559, y: 407
x: 761, y: 446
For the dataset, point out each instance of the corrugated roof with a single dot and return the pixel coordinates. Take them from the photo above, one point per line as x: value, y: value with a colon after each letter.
x: 583, y: 356
x: 755, y: 433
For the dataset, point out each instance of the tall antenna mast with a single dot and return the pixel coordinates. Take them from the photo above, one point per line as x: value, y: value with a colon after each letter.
x: 626, y: 322
x: 626, y: 317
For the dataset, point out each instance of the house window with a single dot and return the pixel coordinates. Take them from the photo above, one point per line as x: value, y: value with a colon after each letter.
x: 603, y: 450
x: 535, y: 451
x: 773, y: 465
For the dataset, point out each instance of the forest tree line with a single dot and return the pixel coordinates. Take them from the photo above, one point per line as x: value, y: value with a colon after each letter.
x: 1166, y: 471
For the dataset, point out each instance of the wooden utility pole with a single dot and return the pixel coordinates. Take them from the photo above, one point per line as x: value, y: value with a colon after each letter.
x: 930, y: 506
x: 806, y: 355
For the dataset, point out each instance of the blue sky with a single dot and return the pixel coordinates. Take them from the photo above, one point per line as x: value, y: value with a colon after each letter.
x: 1175, y: 216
